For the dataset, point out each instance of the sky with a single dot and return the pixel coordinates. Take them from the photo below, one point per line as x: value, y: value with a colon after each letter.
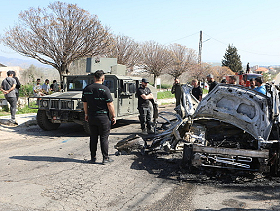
x: 252, y: 26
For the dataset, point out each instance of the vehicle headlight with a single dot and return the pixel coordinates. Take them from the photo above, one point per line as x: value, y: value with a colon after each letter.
x: 45, y: 103
x: 70, y: 105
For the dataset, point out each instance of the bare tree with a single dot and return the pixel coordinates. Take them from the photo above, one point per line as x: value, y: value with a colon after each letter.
x: 155, y: 58
x: 200, y: 72
x: 183, y: 59
x: 58, y: 35
x: 220, y: 72
x: 125, y: 49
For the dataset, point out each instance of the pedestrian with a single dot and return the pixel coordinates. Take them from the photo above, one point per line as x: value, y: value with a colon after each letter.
x: 252, y: 83
x: 46, y: 87
x: 54, y: 87
x: 144, y: 95
x: 177, y: 90
x: 212, y: 83
x: 259, y: 87
x: 224, y: 81
x: 8, y: 87
x: 17, y: 85
x: 196, y: 90
x: 100, y: 113
x: 232, y: 80
x: 37, y: 88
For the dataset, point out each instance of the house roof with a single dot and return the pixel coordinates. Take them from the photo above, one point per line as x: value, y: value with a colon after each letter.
x: 1, y: 65
x: 261, y: 69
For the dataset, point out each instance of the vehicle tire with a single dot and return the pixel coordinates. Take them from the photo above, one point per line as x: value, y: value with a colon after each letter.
x: 86, y: 127
x: 44, y: 122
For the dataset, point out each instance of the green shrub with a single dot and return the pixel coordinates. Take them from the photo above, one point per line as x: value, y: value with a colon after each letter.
x: 26, y: 90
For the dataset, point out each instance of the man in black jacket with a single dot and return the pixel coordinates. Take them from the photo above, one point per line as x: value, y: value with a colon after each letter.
x: 144, y: 95
x: 212, y: 83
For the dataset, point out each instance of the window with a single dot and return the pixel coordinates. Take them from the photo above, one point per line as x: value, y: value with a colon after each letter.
x: 110, y: 84
x: 77, y: 84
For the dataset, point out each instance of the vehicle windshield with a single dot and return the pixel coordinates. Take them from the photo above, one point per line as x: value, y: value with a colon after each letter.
x: 249, y: 77
x: 77, y: 84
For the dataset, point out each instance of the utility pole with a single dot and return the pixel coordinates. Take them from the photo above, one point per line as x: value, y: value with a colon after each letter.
x: 200, y: 49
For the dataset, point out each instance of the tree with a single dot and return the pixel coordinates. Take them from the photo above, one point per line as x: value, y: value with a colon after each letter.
x: 183, y: 59
x: 58, y: 35
x: 200, y: 71
x: 155, y: 58
x: 125, y: 49
x: 232, y: 59
x: 220, y: 72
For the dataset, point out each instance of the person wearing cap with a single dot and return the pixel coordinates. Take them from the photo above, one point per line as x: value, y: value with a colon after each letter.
x: 211, y: 82
x: 144, y: 94
x: 8, y: 87
x: 46, y: 87
x: 177, y: 90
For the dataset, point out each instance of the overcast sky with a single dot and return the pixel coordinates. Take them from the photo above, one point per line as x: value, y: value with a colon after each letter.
x: 252, y: 26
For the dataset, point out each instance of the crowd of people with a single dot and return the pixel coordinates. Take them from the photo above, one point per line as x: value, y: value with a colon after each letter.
x: 45, y: 88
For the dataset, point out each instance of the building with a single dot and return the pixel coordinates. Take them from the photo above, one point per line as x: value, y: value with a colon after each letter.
x: 4, y: 69
x: 261, y: 70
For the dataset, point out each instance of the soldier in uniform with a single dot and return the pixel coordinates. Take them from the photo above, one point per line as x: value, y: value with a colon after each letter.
x: 144, y: 95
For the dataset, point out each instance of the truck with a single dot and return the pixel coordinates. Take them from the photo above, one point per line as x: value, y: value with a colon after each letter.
x: 244, y: 78
x: 67, y: 106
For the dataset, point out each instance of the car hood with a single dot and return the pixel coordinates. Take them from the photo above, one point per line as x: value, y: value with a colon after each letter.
x: 65, y: 95
x: 239, y: 106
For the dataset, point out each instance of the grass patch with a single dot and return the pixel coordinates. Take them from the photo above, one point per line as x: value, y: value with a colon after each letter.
x: 165, y: 95
x: 25, y: 110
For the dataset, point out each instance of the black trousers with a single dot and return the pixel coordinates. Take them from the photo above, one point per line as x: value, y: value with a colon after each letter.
x: 145, y: 117
x: 99, y: 127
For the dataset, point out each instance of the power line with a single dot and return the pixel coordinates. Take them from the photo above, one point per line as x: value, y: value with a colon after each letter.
x: 182, y: 38
x: 241, y: 49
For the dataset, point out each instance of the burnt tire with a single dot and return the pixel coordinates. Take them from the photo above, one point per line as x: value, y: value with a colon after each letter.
x: 44, y: 122
x: 86, y: 127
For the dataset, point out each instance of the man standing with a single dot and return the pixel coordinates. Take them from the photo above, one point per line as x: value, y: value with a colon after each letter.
x: 54, y: 86
x: 211, y: 82
x: 99, y: 109
x: 144, y: 95
x: 177, y: 90
x: 196, y: 90
x: 259, y: 87
x: 46, y: 87
x: 252, y: 83
x: 17, y: 85
x: 232, y: 80
x: 8, y: 88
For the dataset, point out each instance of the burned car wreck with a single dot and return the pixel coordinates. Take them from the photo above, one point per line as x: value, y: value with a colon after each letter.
x: 232, y: 127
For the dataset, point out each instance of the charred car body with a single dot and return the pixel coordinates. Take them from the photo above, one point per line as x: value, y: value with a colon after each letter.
x: 232, y: 127
x: 67, y: 106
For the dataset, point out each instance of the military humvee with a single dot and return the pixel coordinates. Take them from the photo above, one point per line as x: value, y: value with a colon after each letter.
x: 67, y: 106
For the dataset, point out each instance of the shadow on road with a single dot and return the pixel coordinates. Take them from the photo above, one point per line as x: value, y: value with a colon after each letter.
x: 47, y: 158
x: 161, y: 167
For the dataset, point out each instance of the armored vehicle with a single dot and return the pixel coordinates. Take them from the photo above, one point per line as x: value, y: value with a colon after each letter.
x: 67, y: 106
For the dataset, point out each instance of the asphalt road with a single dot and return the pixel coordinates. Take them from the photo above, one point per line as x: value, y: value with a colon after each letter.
x: 45, y: 170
